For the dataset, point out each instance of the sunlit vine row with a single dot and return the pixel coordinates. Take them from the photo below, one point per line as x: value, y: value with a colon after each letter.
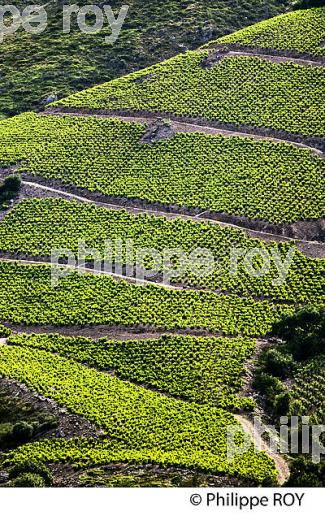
x: 301, y: 31
x: 141, y: 419
x: 84, y: 453
x: 27, y: 296
x: 308, y: 390
x: 202, y: 370
x: 57, y: 223
x: 262, y: 180
x: 237, y: 90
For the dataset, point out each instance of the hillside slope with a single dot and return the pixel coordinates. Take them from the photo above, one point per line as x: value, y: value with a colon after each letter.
x: 242, y: 146
x: 300, y: 31
x: 34, y: 67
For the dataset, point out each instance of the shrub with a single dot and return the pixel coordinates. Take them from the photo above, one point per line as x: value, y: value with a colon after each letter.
x: 268, y: 385
x: 31, y: 468
x: 304, y: 332
x: 22, y: 431
x: 282, y: 403
x: 277, y: 363
x: 47, y: 422
x: 9, y: 188
x: 305, y: 473
x: 28, y: 480
x: 12, y: 183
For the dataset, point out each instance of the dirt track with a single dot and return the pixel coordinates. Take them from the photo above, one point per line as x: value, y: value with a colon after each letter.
x: 309, y: 248
x: 280, y: 462
x: 184, y: 124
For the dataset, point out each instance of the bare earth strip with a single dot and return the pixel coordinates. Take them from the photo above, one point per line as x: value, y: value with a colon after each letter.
x: 276, y: 59
x: 46, y: 261
x: 280, y: 462
x: 114, y: 332
x: 274, y: 55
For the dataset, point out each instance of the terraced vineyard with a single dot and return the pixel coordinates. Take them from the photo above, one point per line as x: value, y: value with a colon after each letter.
x: 301, y: 31
x: 153, y: 372
x: 56, y: 223
x: 85, y: 453
x: 202, y: 370
x: 236, y: 90
x: 60, y: 64
x: 278, y: 183
x: 309, y: 388
x: 27, y: 295
x: 143, y: 419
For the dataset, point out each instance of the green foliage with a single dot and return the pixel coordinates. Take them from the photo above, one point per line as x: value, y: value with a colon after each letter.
x: 282, y: 403
x: 4, y: 331
x: 21, y: 418
x: 56, y: 223
x: 202, y: 370
x: 303, y: 473
x: 26, y: 480
x: 309, y: 388
x: 31, y: 467
x: 258, y: 179
x: 85, y: 453
x: 145, y: 420
x: 268, y: 385
x: 277, y: 363
x: 60, y: 64
x: 28, y: 296
x: 238, y: 90
x: 22, y: 431
x: 301, y: 31
x: 299, y: 363
x: 304, y: 332
x: 307, y: 4
x: 9, y: 188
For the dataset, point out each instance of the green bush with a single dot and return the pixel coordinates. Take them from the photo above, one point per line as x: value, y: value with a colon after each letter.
x: 31, y: 468
x: 47, y: 422
x: 22, y: 431
x: 11, y: 183
x: 282, y: 403
x: 28, y: 480
x: 277, y: 363
x: 9, y: 188
x: 304, y: 332
x: 268, y: 385
x: 304, y: 473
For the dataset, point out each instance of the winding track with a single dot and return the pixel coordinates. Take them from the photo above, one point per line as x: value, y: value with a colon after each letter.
x: 302, y: 245
x: 276, y: 56
x: 304, y: 62
x: 133, y: 279
x: 178, y: 124
x: 280, y: 462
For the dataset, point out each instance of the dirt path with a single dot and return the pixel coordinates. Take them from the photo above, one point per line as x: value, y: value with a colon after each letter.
x: 89, y: 270
x: 8, y: 257
x: 280, y: 462
x: 264, y: 55
x: 114, y: 332
x: 185, y: 124
x: 276, y: 59
x: 309, y: 248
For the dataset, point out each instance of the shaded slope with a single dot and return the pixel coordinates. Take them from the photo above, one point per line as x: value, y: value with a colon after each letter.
x: 34, y: 67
